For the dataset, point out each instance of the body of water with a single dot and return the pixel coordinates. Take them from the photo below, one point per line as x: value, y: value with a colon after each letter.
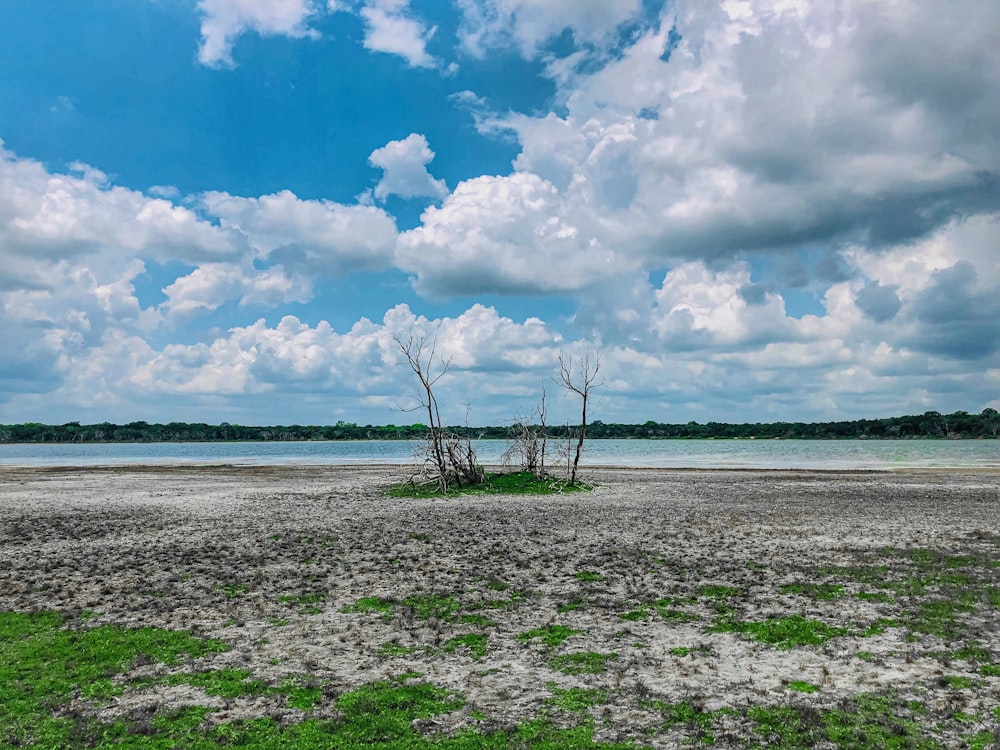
x: 750, y: 454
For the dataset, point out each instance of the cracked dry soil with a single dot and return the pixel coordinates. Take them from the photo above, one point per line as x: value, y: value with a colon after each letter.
x: 274, y: 562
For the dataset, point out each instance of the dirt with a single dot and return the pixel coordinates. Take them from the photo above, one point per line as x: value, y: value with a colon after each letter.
x: 214, y: 549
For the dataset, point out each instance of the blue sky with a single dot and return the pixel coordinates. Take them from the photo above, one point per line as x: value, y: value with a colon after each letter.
x: 754, y: 210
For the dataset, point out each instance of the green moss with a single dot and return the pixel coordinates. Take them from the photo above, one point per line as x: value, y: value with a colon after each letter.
x: 589, y: 576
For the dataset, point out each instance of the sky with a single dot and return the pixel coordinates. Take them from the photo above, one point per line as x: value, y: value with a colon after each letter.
x: 749, y: 210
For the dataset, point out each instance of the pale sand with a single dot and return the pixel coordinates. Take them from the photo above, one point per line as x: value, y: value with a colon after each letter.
x: 153, y: 546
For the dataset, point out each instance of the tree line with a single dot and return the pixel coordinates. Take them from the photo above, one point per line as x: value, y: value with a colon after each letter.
x: 930, y: 424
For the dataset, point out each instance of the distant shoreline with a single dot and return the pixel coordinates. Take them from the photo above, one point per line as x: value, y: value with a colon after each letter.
x: 930, y: 425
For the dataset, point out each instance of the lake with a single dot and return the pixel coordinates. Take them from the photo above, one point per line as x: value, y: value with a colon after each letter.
x: 749, y: 454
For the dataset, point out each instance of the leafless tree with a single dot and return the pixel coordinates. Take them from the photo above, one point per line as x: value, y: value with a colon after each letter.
x: 529, y: 439
x: 450, y: 458
x: 579, y: 377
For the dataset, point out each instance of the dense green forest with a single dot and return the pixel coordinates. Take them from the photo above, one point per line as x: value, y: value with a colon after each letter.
x: 931, y: 424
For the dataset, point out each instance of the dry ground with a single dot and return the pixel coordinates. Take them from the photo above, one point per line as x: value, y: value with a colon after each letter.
x: 314, y: 571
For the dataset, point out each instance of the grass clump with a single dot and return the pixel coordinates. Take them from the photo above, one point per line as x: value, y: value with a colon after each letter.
x: 822, y: 591
x: 550, y: 635
x: 393, y: 648
x: 575, y: 700
x: 687, y: 715
x: 801, y: 686
x: 581, y: 662
x: 504, y: 483
x: 474, y: 642
x: 233, y: 590
x: 432, y: 606
x: 783, y: 632
x: 589, y: 576
x: 371, y: 604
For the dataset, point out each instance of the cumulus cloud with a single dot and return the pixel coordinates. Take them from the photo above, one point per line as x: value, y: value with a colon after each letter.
x: 404, y: 169
x: 503, y: 234
x: 48, y: 216
x: 295, y: 361
x: 528, y: 24
x: 225, y: 20
x: 308, y: 236
x: 392, y: 28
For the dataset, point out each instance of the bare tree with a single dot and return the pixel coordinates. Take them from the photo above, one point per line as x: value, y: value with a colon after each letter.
x: 579, y: 377
x: 450, y: 458
x: 529, y: 439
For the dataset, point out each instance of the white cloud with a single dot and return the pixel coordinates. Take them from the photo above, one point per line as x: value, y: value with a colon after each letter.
x: 225, y: 20
x: 47, y: 216
x: 404, y: 167
x: 211, y: 285
x: 308, y: 236
x: 391, y: 27
x: 528, y: 24
x: 503, y: 234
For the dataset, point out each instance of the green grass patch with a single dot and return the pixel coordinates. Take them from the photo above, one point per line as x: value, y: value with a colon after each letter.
x: 684, y: 714
x: 783, y: 632
x: 589, y: 576
x: 879, y: 627
x: 718, y: 592
x: 392, y: 648
x: 956, y: 682
x: 582, y: 662
x: 990, y: 670
x: 575, y: 700
x: 478, y: 621
x: 505, y: 483
x: 371, y: 605
x: 512, y: 600
x: 550, y: 635
x: 868, y: 721
x: 43, y: 664
x: 822, y: 591
x: 432, y: 606
x: 306, y: 602
x: 233, y: 590
x: 801, y: 686
x: 474, y: 642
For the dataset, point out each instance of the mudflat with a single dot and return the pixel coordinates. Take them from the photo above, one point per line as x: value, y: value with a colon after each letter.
x: 665, y: 607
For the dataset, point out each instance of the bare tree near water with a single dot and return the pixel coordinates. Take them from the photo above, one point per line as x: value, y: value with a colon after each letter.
x: 449, y: 459
x: 579, y: 377
x: 529, y: 440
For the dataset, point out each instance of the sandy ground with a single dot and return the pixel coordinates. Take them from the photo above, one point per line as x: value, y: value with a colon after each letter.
x: 214, y: 549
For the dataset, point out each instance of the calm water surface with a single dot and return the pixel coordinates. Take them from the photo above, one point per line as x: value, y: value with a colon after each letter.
x: 751, y: 454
